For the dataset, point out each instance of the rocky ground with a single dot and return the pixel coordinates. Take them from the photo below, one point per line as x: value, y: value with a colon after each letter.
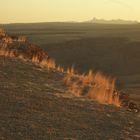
x: 35, y: 105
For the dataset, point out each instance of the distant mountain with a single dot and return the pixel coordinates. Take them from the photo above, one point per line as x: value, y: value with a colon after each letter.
x: 113, y: 21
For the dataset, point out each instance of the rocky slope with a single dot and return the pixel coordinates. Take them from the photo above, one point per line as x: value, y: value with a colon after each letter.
x: 35, y: 104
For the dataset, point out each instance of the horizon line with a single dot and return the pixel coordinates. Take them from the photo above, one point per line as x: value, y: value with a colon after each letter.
x: 72, y: 21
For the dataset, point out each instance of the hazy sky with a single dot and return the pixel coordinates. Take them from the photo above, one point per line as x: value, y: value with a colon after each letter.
x: 12, y: 11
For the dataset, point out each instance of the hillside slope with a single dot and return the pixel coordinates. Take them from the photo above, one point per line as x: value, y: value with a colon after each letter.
x: 35, y: 104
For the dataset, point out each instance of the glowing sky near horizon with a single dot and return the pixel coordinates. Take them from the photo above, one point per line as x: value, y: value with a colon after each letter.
x: 12, y: 11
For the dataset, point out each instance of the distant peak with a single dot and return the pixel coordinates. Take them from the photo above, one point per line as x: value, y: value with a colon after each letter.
x: 112, y: 21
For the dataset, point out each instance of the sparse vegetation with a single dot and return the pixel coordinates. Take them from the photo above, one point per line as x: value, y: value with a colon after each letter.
x: 93, y: 86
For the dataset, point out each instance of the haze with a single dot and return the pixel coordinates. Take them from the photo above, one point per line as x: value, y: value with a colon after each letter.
x: 14, y: 11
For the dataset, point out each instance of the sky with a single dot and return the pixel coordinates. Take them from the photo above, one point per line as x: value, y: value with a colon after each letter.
x: 17, y: 11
